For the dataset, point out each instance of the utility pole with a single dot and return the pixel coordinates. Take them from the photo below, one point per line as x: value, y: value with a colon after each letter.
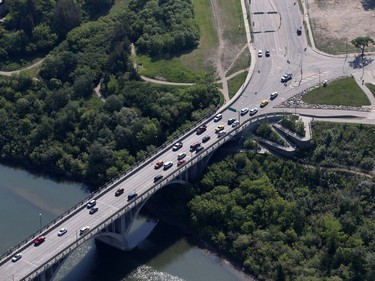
x: 40, y: 220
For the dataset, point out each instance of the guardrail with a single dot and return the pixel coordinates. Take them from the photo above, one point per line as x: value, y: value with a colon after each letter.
x: 231, y: 133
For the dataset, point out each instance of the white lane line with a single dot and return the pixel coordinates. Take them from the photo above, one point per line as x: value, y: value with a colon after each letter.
x: 34, y: 265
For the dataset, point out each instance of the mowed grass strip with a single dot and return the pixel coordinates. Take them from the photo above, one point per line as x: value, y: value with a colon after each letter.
x: 344, y: 92
x: 371, y: 87
x: 187, y: 67
x: 235, y: 83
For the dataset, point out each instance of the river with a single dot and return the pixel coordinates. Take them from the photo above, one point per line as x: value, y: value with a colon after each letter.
x: 28, y: 201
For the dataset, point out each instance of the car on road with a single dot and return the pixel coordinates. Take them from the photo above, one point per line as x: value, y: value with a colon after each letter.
x: 180, y: 162
x: 206, y: 139
x: 219, y: 128
x: 253, y: 111
x: 221, y: 133
x: 91, y: 203
x: 201, y: 129
x: 299, y: 31
x: 260, y: 53
x: 167, y: 165
x: 177, y: 146
x: 119, y: 192
x: 39, y: 240
x: 181, y: 155
x: 62, y: 231
x: 231, y: 120
x: 285, y: 78
x: 132, y: 195
x: 16, y: 257
x: 218, y: 117
x: 274, y: 95
x: 235, y: 123
x: 194, y: 146
x: 268, y: 53
x: 263, y: 103
x: 159, y: 164
x: 199, y: 149
x: 93, y: 210
x: 158, y: 178
x: 84, y: 230
x: 244, y: 110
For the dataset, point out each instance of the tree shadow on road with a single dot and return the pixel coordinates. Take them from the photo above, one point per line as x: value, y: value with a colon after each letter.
x: 358, y: 62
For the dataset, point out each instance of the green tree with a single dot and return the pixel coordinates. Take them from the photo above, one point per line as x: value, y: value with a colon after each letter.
x: 67, y: 15
x: 362, y: 42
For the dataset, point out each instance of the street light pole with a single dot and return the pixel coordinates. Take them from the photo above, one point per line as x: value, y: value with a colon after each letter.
x: 40, y: 220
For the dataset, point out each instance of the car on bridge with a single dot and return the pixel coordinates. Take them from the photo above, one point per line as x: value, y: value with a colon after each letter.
x: 91, y: 204
x: 159, y: 164
x: 62, y: 231
x: 119, y: 192
x: 244, y: 110
x: 93, y: 210
x: 194, y: 146
x: 158, y: 178
x: 231, y: 120
x: 218, y: 117
x: 253, y: 111
x: 274, y: 95
x: 221, y: 133
x: 16, y: 257
x: 235, y: 123
x: 219, y: 128
x: 201, y: 129
x: 181, y: 155
x: 180, y: 162
x: 199, y: 149
x: 39, y: 240
x: 167, y: 165
x: 132, y: 195
x: 177, y: 146
x: 84, y: 230
x: 263, y: 103
x: 206, y: 139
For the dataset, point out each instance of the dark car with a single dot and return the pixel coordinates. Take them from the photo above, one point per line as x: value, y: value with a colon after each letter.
x: 119, y: 192
x: 231, y: 120
x: 132, y: 195
x: 158, y: 178
x: 299, y: 31
x: 201, y: 129
x: 268, y: 53
x: 93, y: 210
x: 39, y: 240
x: 206, y: 138
x: 199, y: 149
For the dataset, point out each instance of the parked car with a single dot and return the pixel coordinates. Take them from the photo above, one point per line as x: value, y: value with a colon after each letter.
x: 235, y: 123
x: 167, y: 165
x: 244, y: 111
x: 201, y: 129
x: 219, y: 128
x: 39, y: 240
x: 206, y: 139
x: 84, y: 230
x: 93, y: 210
x: 159, y: 164
x: 62, y: 231
x: 91, y: 203
x: 263, y: 103
x: 132, y: 195
x: 268, y: 53
x: 177, y: 146
x: 180, y: 162
x: 199, y: 149
x: 274, y: 95
x: 260, y: 53
x: 221, y: 133
x: 119, y: 192
x: 158, y: 178
x: 253, y: 111
x: 218, y: 117
x: 181, y: 155
x: 16, y: 257
x: 231, y: 120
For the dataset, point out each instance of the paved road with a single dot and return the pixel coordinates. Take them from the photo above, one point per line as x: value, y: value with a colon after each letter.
x: 276, y: 32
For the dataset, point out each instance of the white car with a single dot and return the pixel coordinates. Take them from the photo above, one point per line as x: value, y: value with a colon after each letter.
x: 235, y: 123
x: 62, y: 231
x: 274, y: 95
x: 168, y: 164
x: 177, y: 146
x: 260, y: 53
x: 83, y: 230
x: 221, y: 133
x: 91, y: 204
x: 253, y: 111
x: 16, y: 257
x: 244, y: 111
x: 218, y: 117
x: 181, y: 156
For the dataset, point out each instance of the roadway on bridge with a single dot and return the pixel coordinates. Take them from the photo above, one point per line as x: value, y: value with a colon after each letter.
x: 275, y: 32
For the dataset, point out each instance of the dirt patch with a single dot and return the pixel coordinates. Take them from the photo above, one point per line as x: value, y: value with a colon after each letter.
x: 336, y: 22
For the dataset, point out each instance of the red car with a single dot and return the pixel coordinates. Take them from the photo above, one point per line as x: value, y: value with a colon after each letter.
x: 180, y: 162
x: 39, y: 240
x: 119, y: 192
x: 159, y: 164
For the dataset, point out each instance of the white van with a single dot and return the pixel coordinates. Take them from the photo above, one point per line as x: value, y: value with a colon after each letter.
x: 84, y: 229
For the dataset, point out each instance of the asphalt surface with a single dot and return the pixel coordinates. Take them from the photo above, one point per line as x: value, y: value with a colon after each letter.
x: 289, y: 54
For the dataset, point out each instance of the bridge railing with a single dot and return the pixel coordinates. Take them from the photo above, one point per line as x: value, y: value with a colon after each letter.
x: 141, y: 197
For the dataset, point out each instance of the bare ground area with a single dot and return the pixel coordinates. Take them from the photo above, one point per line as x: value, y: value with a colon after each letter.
x: 336, y: 22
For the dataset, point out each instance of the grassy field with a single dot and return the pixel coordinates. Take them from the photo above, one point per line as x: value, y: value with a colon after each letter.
x: 371, y: 87
x: 242, y: 62
x: 341, y: 92
x: 235, y: 83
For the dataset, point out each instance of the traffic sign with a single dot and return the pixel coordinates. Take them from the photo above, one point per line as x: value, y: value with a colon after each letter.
x: 232, y: 109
